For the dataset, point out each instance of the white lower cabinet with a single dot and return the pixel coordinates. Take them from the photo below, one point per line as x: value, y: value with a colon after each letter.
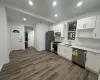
x: 93, y: 62
x: 65, y: 51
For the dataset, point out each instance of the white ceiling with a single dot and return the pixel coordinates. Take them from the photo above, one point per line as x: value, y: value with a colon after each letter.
x: 65, y: 8
x: 17, y: 16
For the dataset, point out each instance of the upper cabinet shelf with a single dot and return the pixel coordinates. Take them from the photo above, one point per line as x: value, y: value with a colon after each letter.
x: 87, y: 23
x: 89, y: 27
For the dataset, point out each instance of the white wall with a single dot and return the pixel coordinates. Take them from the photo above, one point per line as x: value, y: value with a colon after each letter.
x: 19, y: 25
x: 4, y: 58
x: 39, y: 36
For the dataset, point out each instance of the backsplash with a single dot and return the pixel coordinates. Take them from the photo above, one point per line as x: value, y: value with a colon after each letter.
x: 59, y: 39
x: 89, y: 42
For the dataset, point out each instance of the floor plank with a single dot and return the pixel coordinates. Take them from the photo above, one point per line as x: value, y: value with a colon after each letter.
x: 31, y: 64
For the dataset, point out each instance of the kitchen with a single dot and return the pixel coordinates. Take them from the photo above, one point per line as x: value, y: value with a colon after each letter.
x: 66, y: 40
x: 79, y: 42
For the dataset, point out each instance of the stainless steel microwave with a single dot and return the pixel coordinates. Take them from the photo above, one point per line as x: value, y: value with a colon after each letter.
x: 57, y: 34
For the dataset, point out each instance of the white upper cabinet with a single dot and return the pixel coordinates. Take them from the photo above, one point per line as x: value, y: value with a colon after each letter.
x: 60, y: 28
x: 90, y: 22
x: 97, y: 28
x: 87, y: 23
x: 80, y: 24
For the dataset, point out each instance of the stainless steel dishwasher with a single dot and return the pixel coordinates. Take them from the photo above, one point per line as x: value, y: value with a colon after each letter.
x: 79, y: 56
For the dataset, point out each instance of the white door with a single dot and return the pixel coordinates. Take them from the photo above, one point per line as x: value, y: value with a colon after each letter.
x: 90, y: 22
x: 81, y: 24
x: 16, y: 40
x: 30, y: 38
x: 97, y: 29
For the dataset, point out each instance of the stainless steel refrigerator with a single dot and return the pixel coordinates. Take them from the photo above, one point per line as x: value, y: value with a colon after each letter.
x: 49, y: 38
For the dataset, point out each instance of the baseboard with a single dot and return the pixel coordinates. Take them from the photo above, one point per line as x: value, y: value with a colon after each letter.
x: 4, y: 63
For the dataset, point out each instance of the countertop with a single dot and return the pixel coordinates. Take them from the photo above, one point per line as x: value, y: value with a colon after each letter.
x: 88, y: 48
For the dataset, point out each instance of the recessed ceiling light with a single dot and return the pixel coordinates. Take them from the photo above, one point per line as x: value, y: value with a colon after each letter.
x: 24, y: 19
x: 56, y: 15
x: 54, y: 3
x: 79, y: 4
x: 30, y: 3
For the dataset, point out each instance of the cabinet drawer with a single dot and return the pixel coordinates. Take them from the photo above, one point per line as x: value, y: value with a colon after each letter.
x: 93, y: 54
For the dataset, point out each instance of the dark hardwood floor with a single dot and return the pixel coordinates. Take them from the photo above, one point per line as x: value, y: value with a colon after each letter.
x: 34, y: 65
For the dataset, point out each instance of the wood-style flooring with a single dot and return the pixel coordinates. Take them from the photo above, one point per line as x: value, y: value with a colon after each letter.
x: 34, y: 65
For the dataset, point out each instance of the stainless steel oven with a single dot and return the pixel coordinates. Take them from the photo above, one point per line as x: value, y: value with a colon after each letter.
x: 55, y: 47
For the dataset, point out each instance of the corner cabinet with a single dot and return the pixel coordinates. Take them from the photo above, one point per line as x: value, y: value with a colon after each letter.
x: 65, y: 51
x: 86, y: 23
x: 96, y: 34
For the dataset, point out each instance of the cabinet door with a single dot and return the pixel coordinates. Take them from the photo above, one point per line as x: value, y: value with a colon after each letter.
x: 69, y: 53
x: 81, y: 24
x: 58, y: 28
x: 90, y: 22
x: 59, y: 50
x: 54, y: 28
x: 93, y: 64
x: 97, y: 29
